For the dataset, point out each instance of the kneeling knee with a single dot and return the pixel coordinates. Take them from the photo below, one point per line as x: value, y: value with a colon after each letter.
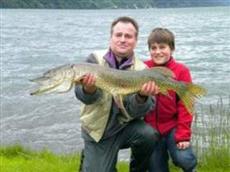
x: 152, y: 135
x: 185, y: 160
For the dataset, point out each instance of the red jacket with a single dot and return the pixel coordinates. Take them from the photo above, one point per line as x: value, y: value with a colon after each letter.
x: 170, y: 112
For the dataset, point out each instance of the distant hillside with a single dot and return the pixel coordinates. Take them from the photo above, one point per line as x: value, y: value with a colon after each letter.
x: 101, y: 4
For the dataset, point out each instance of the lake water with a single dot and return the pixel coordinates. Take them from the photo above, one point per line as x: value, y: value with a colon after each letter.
x: 33, y: 41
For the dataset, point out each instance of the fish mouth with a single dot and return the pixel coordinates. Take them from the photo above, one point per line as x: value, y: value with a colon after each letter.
x: 42, y: 90
x: 47, y: 85
x: 44, y: 85
x: 39, y: 80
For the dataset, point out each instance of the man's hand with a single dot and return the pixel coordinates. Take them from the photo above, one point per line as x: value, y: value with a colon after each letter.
x: 149, y: 89
x: 183, y: 145
x: 88, y: 81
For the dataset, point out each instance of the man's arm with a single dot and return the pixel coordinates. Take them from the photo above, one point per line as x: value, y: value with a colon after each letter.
x: 137, y: 106
x: 87, y: 98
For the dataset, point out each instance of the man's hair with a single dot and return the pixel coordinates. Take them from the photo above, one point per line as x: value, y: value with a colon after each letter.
x: 162, y: 35
x: 125, y: 19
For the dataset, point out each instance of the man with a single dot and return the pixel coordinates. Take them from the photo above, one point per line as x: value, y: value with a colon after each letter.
x: 105, y: 127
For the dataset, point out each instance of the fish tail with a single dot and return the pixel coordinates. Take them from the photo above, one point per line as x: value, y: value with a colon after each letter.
x: 188, y: 93
x: 196, y: 90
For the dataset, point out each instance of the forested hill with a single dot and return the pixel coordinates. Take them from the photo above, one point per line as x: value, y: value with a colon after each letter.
x: 110, y: 4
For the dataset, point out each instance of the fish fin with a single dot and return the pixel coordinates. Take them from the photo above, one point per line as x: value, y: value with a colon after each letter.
x: 125, y: 117
x: 119, y: 101
x: 196, y: 90
x: 164, y: 91
x: 189, y: 94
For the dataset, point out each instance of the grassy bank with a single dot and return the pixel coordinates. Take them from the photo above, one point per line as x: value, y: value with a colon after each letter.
x: 19, y: 159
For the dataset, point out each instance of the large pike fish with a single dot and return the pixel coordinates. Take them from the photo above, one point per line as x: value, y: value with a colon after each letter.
x: 117, y: 82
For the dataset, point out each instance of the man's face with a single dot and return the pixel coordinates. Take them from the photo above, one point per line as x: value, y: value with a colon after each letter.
x: 123, y: 39
x: 160, y: 53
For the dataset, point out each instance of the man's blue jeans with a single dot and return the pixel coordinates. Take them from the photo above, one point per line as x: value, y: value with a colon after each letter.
x: 183, y: 158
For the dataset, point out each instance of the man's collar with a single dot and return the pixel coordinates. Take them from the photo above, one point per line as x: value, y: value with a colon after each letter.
x: 113, y: 63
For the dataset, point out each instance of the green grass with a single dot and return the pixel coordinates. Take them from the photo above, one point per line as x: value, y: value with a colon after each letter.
x: 216, y: 160
x: 18, y: 159
x: 15, y: 158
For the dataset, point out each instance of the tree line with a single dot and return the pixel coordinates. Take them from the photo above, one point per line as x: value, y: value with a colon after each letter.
x: 108, y: 4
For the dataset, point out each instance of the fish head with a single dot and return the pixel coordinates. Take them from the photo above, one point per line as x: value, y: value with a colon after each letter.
x: 57, y: 80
